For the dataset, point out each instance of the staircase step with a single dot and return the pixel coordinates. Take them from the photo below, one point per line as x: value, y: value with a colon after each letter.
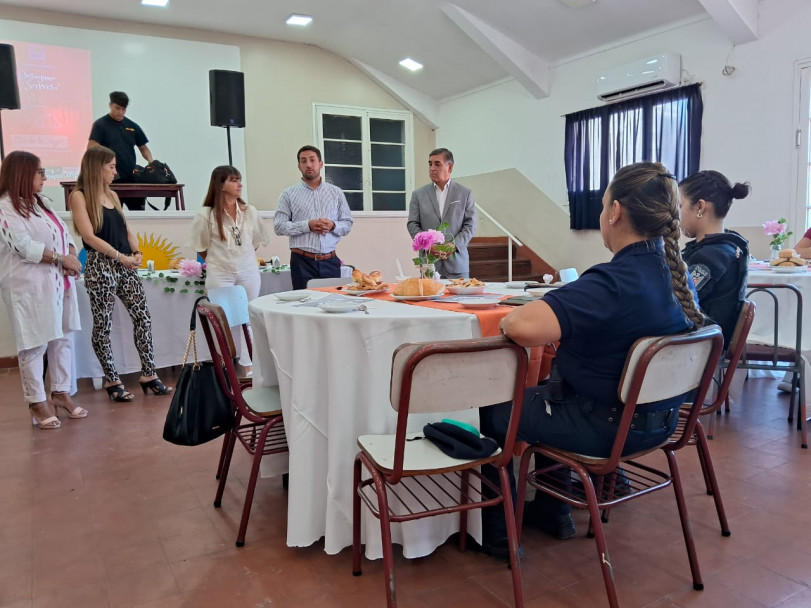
x: 491, y: 270
x: 488, y: 251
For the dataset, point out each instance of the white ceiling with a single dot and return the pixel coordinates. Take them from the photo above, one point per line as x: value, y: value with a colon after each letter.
x: 464, y: 45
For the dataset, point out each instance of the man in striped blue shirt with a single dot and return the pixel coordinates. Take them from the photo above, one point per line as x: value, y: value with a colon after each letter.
x: 315, y: 215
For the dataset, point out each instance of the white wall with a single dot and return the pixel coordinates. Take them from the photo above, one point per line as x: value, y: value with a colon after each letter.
x: 167, y: 82
x: 748, y: 125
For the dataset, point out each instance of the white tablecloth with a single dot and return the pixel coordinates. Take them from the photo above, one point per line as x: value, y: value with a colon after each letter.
x: 170, y: 327
x: 333, y: 372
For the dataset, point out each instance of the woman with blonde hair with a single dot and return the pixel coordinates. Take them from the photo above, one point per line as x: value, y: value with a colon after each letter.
x: 37, y: 266
x: 644, y: 290
x: 226, y: 233
x: 111, y: 270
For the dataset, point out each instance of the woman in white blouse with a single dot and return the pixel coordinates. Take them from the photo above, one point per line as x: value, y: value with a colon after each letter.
x: 37, y: 268
x: 226, y: 233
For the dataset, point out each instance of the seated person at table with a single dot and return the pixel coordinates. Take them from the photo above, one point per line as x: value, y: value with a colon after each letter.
x: 803, y: 246
x: 112, y: 270
x: 717, y: 258
x: 643, y: 291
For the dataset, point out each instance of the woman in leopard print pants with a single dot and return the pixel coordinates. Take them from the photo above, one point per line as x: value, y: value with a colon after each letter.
x: 111, y: 270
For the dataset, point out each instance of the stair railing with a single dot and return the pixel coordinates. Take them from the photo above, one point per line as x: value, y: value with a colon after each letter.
x: 510, y: 238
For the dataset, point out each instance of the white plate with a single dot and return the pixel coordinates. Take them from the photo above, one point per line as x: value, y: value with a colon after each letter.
x: 416, y: 298
x: 789, y: 269
x: 540, y: 291
x: 338, y: 306
x: 465, y: 291
x: 515, y: 284
x: 479, y: 303
x: 292, y: 296
x: 364, y: 292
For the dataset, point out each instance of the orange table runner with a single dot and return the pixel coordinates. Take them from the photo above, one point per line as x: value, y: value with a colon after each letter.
x: 489, y: 318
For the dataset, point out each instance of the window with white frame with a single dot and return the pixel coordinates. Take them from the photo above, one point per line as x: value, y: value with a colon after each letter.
x: 367, y: 153
x: 803, y: 143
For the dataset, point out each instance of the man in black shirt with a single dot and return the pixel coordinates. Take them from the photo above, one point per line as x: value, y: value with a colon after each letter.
x: 122, y: 136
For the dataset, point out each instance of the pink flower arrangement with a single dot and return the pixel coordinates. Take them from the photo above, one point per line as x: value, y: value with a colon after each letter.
x: 431, y: 245
x: 190, y: 268
x: 426, y: 239
x: 777, y: 229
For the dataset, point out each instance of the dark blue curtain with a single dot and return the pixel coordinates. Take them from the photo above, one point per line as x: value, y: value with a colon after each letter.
x: 664, y: 127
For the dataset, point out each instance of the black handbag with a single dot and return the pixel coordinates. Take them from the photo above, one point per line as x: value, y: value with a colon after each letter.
x: 200, y: 411
x: 458, y: 442
x: 155, y: 172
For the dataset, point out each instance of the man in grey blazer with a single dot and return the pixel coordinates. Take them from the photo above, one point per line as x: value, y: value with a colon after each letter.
x: 441, y: 201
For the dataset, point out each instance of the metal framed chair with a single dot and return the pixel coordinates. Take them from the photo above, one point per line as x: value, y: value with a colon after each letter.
x: 234, y: 302
x: 330, y: 282
x: 679, y: 440
x: 409, y: 479
x: 257, y: 411
x: 774, y: 355
x: 657, y: 368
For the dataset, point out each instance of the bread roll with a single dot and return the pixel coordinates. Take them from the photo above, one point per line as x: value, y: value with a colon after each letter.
x: 787, y: 253
x: 411, y: 287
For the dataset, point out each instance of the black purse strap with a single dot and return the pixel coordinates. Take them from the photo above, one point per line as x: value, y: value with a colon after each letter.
x: 191, y: 343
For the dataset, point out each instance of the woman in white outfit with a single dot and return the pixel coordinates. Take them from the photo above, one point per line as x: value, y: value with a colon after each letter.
x: 226, y: 233
x: 37, y: 268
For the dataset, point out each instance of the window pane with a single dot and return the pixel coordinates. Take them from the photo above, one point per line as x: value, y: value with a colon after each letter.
x: 386, y: 155
x: 392, y: 131
x: 355, y: 200
x: 341, y: 127
x: 342, y: 153
x: 346, y: 178
x: 388, y: 179
x: 389, y: 201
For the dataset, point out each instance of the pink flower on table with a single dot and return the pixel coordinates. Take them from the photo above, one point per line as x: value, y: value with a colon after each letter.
x: 774, y: 227
x: 426, y: 239
x: 190, y: 268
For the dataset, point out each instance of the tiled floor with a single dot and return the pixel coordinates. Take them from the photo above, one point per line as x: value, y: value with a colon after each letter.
x: 102, y: 512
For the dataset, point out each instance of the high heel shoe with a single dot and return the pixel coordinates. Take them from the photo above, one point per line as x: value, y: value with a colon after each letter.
x: 44, y: 421
x: 117, y: 392
x: 73, y: 411
x: 156, y: 386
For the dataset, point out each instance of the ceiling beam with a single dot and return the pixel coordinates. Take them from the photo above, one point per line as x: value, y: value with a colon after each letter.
x: 521, y: 63
x: 738, y: 19
x: 425, y: 107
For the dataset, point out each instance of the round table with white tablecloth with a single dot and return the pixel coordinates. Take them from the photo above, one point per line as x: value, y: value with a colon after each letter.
x: 333, y: 373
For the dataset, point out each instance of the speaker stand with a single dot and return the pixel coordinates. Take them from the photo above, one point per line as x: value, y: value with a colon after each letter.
x: 2, y: 149
x: 228, y: 134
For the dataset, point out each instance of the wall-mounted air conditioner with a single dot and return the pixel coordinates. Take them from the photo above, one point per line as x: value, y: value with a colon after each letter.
x: 639, y: 77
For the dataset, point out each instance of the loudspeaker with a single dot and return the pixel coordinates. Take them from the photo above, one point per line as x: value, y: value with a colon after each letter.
x: 226, y: 94
x: 9, y: 94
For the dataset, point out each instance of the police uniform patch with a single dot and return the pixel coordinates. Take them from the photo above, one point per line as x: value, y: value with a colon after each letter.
x: 700, y: 274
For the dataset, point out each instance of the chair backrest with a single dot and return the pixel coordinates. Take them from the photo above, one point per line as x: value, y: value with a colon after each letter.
x: 659, y: 368
x: 733, y: 355
x: 777, y: 295
x: 221, y: 345
x: 234, y: 302
x: 432, y: 377
x: 330, y: 282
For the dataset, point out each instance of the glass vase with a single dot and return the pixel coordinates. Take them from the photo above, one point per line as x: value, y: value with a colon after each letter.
x: 427, y: 271
x: 774, y: 252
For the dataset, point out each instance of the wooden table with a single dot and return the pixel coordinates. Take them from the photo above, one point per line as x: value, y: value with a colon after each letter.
x: 167, y: 191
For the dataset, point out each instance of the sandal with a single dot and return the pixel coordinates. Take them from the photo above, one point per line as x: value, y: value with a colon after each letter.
x: 44, y: 421
x: 156, y: 386
x: 74, y: 411
x: 117, y: 392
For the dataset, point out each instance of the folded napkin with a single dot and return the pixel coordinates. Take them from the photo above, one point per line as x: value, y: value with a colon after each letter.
x: 457, y: 442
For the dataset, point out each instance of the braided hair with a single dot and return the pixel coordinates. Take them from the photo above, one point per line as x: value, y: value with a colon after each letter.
x: 714, y: 188
x: 648, y: 194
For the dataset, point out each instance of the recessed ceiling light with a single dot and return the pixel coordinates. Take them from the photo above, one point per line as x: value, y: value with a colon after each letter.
x: 409, y: 64
x: 298, y: 20
x: 161, y: 3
